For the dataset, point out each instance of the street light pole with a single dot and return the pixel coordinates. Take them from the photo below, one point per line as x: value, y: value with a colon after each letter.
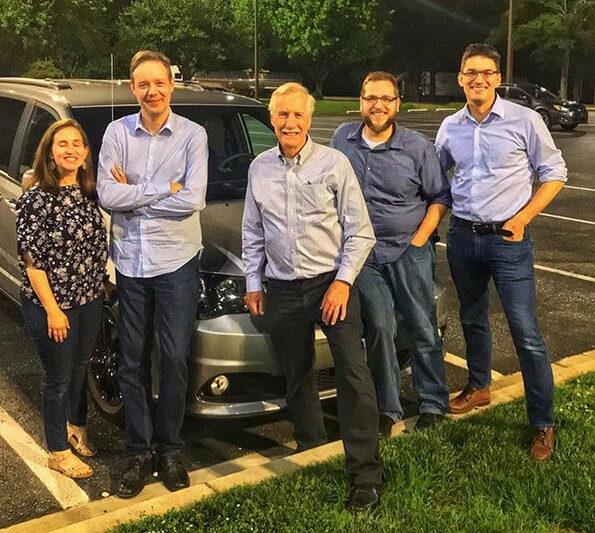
x: 509, y: 45
x: 256, y: 69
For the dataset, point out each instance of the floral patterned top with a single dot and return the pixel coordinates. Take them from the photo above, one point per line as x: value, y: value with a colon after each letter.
x: 64, y: 235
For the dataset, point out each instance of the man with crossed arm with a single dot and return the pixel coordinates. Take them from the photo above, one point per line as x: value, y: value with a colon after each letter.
x: 153, y: 177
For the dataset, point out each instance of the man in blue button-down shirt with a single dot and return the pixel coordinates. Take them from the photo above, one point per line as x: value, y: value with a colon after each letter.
x: 153, y: 177
x: 407, y: 195
x: 496, y: 148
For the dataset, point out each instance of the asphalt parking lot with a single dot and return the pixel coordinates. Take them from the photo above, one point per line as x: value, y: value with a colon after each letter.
x: 564, y: 239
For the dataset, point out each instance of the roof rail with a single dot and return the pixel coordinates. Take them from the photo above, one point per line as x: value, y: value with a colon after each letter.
x: 46, y: 83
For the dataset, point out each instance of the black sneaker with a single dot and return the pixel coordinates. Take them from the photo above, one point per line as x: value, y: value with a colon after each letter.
x: 365, y: 497
x: 134, y: 477
x: 172, y: 472
x: 385, y: 425
x: 428, y: 420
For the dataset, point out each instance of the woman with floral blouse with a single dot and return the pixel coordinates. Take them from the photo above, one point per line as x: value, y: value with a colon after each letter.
x: 63, y: 253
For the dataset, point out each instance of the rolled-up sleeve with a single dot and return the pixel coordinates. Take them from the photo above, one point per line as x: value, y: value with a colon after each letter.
x: 545, y: 157
x: 358, y: 235
x: 253, y: 244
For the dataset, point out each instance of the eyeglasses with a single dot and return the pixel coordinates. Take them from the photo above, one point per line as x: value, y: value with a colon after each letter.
x: 472, y: 74
x: 386, y: 100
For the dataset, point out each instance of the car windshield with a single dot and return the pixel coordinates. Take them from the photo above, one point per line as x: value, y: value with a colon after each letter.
x: 236, y: 135
x: 544, y: 93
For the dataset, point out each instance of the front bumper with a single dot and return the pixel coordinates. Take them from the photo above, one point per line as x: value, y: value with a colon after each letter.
x: 235, y: 346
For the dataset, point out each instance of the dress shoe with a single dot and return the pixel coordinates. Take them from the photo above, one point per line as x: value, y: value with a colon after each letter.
x: 385, y: 425
x: 468, y: 399
x: 542, y: 444
x: 428, y: 420
x: 172, y: 472
x: 134, y: 477
x: 365, y: 497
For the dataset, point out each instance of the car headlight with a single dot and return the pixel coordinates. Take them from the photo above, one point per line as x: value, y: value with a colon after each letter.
x: 221, y: 295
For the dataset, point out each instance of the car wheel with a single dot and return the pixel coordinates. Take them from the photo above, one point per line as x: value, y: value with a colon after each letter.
x: 546, y: 118
x: 569, y: 127
x: 103, y: 367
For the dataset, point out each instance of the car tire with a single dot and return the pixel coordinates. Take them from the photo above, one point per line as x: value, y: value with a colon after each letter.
x: 103, y: 367
x: 569, y: 127
x: 546, y: 118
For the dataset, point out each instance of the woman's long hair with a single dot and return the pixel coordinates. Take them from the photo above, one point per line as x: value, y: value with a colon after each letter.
x: 45, y: 173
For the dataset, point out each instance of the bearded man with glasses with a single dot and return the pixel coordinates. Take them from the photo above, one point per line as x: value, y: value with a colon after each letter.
x: 496, y: 148
x: 407, y: 195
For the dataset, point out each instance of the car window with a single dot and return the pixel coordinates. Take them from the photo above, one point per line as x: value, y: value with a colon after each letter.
x: 236, y: 135
x: 40, y: 121
x: 517, y: 93
x: 260, y: 135
x: 11, y: 111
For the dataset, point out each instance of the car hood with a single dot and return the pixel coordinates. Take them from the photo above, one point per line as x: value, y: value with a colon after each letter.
x: 568, y: 103
x: 221, y: 224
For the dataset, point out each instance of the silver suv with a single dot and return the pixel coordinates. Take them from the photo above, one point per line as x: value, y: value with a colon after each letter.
x: 232, y: 369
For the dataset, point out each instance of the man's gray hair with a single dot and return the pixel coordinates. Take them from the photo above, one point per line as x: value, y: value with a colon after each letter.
x: 292, y: 88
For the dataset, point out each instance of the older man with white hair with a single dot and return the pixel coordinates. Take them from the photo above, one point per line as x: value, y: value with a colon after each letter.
x: 307, y: 229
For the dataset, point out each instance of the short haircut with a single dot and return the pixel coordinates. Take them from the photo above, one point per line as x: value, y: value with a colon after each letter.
x: 292, y: 88
x: 481, y: 49
x: 380, y: 75
x: 150, y: 55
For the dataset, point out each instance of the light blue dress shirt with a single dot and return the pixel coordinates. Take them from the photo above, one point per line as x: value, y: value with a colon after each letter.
x: 153, y: 231
x: 495, y: 161
x: 304, y: 217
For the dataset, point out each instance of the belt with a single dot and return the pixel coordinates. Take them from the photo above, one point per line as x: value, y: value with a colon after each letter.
x: 483, y: 228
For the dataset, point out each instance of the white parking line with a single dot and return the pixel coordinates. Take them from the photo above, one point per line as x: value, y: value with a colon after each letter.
x: 564, y: 273
x: 567, y: 218
x: 65, y: 490
x: 462, y: 363
x: 578, y: 188
x: 548, y: 269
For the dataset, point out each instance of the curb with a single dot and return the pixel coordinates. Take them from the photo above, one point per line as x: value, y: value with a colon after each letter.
x: 100, y: 515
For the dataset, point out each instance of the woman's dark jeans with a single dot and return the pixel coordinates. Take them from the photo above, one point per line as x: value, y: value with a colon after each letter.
x: 65, y: 366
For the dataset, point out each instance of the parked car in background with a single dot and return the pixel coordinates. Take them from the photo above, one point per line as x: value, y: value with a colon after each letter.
x: 553, y: 109
x: 232, y: 369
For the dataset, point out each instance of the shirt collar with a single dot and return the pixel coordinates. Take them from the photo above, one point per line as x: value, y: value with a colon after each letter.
x: 167, y: 127
x: 394, y: 141
x: 301, y: 156
x: 497, y: 109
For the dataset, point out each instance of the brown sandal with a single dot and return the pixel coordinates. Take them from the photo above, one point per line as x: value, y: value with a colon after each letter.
x: 78, y: 439
x: 69, y: 465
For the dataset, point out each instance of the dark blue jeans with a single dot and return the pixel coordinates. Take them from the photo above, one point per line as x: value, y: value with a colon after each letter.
x: 165, y: 306
x: 407, y: 286
x: 65, y: 366
x: 473, y: 260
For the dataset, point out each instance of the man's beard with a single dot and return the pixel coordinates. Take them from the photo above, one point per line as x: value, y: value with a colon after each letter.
x: 381, y: 128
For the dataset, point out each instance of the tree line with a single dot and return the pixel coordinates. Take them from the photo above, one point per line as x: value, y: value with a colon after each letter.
x: 330, y: 42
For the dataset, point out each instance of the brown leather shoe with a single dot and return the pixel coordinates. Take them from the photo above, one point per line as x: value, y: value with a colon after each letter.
x: 469, y: 398
x: 542, y: 444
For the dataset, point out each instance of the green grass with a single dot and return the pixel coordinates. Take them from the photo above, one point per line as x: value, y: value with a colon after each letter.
x: 331, y: 107
x: 472, y: 475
